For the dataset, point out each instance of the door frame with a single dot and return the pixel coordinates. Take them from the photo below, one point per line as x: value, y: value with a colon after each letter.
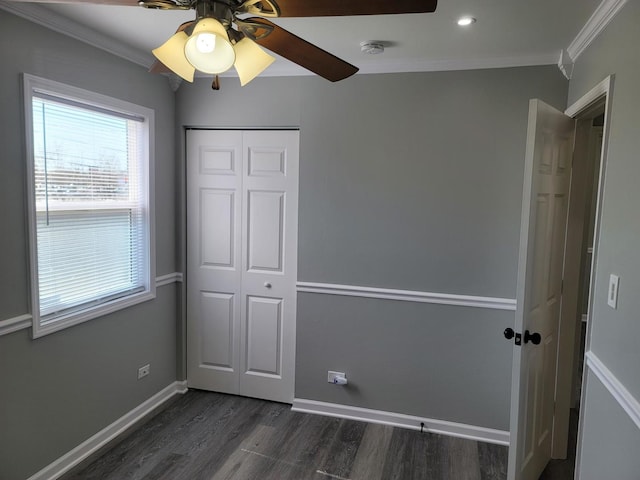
x: 602, y: 92
x: 582, y: 187
x: 581, y: 109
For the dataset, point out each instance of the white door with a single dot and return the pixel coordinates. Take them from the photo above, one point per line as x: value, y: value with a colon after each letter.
x: 242, y: 226
x: 539, y: 288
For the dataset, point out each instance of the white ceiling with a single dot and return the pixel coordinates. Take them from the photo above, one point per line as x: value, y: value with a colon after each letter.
x: 507, y: 33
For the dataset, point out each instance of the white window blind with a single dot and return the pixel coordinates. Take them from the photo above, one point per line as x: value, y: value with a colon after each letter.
x: 91, y: 208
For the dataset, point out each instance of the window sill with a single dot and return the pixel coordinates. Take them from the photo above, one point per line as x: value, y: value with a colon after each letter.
x: 75, y: 318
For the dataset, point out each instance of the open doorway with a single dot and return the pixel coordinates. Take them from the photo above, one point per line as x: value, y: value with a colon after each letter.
x: 580, y: 250
x: 594, y: 155
x: 557, y: 193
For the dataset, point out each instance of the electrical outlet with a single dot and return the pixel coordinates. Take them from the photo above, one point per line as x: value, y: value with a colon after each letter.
x: 332, y: 376
x: 144, y: 371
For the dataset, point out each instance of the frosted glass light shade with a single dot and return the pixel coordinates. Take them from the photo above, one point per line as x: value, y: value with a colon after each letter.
x: 208, y: 48
x: 251, y: 60
x: 171, y: 54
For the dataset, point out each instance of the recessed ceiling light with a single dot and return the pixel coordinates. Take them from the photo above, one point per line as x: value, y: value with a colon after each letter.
x: 466, y: 21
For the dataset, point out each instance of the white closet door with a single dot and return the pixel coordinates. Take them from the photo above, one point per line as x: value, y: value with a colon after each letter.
x: 242, y: 261
x: 269, y: 260
x: 214, y: 261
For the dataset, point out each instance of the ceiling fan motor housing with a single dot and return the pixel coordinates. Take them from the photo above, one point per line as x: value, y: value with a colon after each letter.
x: 221, y: 11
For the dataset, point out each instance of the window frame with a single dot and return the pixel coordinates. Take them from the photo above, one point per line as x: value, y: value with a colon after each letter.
x: 33, y: 85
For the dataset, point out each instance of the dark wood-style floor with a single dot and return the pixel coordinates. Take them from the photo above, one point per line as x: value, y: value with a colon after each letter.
x: 210, y: 436
x: 564, y: 469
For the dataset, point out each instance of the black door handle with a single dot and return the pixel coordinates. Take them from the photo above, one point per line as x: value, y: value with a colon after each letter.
x: 534, y: 338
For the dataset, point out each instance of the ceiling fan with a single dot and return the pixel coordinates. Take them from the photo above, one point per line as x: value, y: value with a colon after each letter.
x: 230, y: 33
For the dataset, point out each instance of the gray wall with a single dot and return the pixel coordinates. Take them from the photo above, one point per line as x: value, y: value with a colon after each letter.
x: 615, y: 333
x: 59, y: 390
x: 610, y: 441
x: 407, y: 181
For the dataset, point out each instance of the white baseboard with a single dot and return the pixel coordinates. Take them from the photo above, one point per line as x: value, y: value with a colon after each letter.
x: 104, y: 436
x: 441, y: 427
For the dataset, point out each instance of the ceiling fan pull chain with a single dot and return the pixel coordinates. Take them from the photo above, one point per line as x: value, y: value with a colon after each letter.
x: 216, y: 83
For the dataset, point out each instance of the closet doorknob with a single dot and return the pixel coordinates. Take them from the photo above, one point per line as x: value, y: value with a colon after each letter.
x: 267, y: 284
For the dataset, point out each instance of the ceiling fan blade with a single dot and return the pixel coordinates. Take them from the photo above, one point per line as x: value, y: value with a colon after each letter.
x: 327, y: 8
x: 124, y: 3
x: 294, y: 48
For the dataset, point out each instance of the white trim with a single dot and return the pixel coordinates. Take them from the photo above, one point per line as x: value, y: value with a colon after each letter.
x: 58, y: 23
x: 14, y: 324
x: 175, y: 277
x: 104, y: 436
x: 441, y: 427
x: 424, y: 65
x: 33, y: 85
x: 408, y: 295
x: 596, y: 24
x: 288, y: 69
x: 25, y: 321
x: 281, y: 68
x: 617, y: 390
x: 565, y: 64
x: 593, y: 95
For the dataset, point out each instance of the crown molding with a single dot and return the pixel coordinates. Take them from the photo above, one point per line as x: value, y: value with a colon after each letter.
x: 52, y: 20
x: 281, y: 68
x: 424, y: 65
x: 596, y: 24
x: 565, y: 64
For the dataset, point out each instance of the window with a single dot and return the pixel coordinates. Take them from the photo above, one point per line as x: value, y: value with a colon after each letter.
x: 90, y: 204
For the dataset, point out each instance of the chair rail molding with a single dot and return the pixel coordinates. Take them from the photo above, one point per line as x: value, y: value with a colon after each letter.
x: 22, y: 322
x: 617, y: 390
x: 14, y: 324
x: 175, y: 277
x: 408, y: 295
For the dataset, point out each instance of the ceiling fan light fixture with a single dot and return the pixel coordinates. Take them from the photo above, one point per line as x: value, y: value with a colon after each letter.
x: 171, y: 54
x: 208, y: 48
x: 251, y: 60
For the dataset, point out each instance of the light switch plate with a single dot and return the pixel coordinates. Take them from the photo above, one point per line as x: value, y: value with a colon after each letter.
x: 612, y: 298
